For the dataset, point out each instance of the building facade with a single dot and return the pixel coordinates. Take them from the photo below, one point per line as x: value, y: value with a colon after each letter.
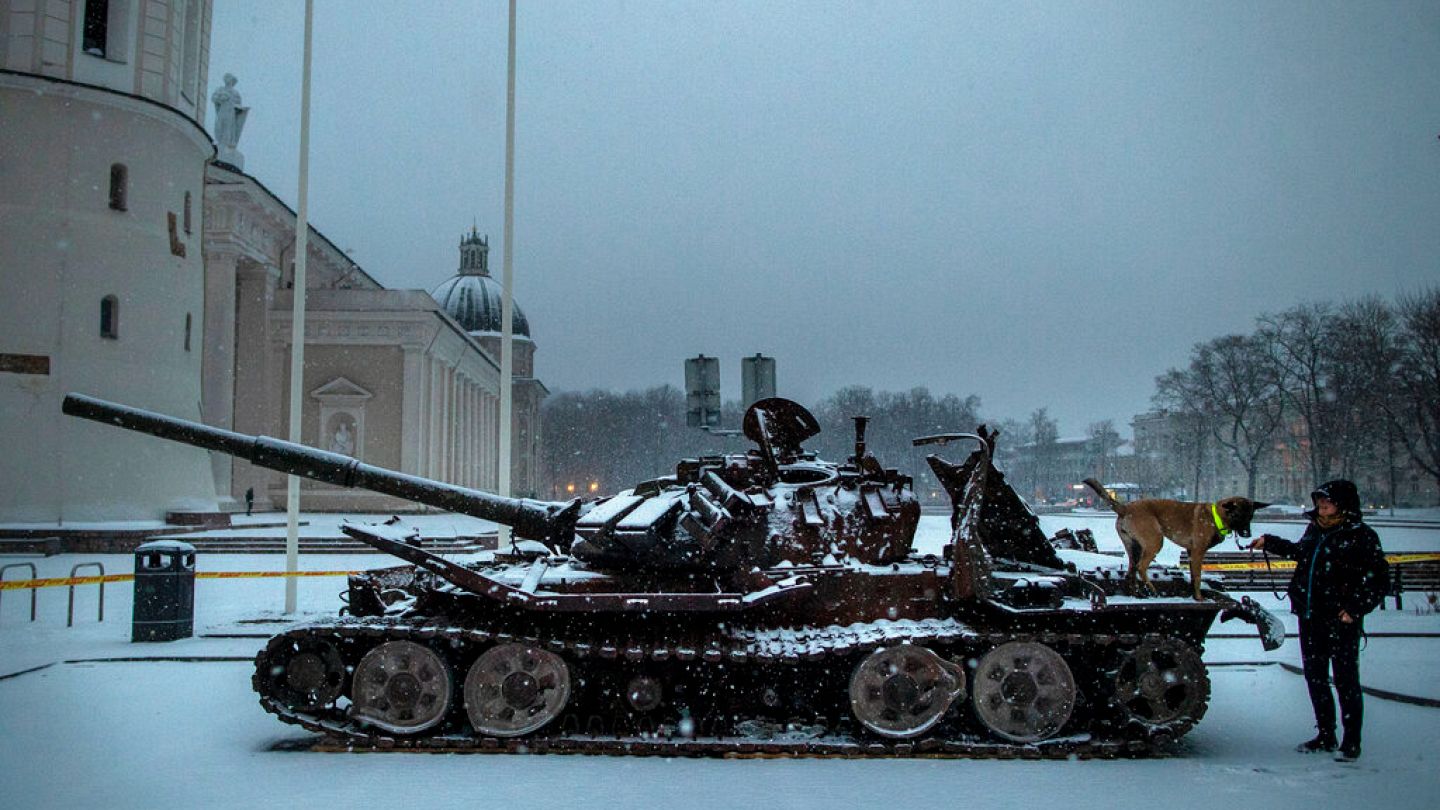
x: 136, y: 267
x: 474, y: 299
x: 395, y: 378
x: 102, y: 169
x: 1178, y: 458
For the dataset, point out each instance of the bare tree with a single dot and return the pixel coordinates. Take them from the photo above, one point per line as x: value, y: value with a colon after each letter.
x: 1103, y: 441
x: 1192, y: 424
x: 1231, y: 382
x: 1301, y: 346
x: 1419, y: 378
x: 1044, y: 441
x: 1367, y: 362
x: 896, y: 417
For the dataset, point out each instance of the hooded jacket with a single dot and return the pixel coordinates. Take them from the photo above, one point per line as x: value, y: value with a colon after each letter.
x: 1340, y: 568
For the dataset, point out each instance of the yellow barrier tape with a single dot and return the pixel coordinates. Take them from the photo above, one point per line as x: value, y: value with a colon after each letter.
x: 51, y: 582
x: 54, y: 582
x: 1288, y: 564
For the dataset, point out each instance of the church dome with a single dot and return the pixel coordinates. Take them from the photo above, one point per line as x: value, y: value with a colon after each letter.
x: 473, y: 297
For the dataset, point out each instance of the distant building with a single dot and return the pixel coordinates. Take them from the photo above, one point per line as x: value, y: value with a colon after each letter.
x: 474, y: 299
x: 1177, y: 458
x: 394, y: 378
x: 1050, y: 473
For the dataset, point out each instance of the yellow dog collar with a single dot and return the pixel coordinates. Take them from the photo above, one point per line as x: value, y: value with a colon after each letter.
x: 1219, y: 524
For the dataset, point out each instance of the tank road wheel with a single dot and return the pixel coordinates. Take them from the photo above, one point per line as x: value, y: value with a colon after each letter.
x: 1161, y: 683
x: 1024, y: 691
x: 644, y: 693
x: 902, y: 691
x: 304, y: 674
x: 514, y: 689
x: 403, y: 687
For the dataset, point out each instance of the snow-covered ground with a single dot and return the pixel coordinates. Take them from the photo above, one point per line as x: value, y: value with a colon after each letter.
x: 156, y: 733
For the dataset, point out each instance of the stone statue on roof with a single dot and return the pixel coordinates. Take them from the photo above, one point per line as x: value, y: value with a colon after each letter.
x: 229, y: 122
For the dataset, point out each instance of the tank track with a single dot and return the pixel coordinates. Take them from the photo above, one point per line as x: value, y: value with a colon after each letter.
x: 739, y: 647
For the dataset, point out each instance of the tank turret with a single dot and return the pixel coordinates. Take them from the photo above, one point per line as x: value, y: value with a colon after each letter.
x: 725, y: 513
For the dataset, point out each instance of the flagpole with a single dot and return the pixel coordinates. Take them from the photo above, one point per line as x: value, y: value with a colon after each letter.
x: 507, y: 306
x: 297, y: 323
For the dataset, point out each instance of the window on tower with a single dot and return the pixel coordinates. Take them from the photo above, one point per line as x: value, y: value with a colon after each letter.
x: 97, y: 26
x: 110, y: 317
x: 119, y: 180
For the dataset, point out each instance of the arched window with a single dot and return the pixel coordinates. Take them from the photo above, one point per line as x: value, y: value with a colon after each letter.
x: 110, y: 317
x: 187, y: 331
x: 119, y: 181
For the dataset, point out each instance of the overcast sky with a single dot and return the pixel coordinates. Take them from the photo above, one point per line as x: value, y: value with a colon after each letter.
x: 1043, y: 204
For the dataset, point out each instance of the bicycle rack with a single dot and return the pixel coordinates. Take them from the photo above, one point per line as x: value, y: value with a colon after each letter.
x: 70, y: 614
x: 33, y: 575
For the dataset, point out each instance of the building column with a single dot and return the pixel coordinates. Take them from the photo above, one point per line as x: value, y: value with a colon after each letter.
x: 485, y: 446
x: 463, y: 479
x: 470, y: 434
x: 256, y: 391
x: 432, y: 420
x: 215, y: 341
x: 492, y: 440
x: 411, y: 413
x: 448, y: 468
x: 475, y: 435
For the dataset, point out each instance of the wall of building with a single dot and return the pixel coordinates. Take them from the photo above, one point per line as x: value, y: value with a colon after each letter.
x: 63, y: 249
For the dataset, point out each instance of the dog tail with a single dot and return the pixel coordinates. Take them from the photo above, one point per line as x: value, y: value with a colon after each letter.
x: 1105, y: 496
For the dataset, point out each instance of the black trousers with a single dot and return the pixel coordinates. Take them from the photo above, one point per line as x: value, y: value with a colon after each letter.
x: 1328, y: 646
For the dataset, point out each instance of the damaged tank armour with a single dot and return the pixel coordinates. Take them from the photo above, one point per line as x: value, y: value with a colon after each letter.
x: 767, y: 601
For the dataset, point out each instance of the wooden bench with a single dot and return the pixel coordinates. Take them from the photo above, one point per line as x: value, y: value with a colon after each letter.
x: 1405, y: 575
x: 1421, y: 575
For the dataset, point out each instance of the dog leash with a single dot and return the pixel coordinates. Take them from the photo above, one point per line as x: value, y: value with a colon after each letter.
x: 1269, y: 572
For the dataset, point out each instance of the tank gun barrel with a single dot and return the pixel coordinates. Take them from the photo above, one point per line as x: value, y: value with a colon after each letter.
x: 549, y: 522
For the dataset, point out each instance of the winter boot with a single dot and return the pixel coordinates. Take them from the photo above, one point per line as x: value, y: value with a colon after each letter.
x: 1349, y: 751
x: 1322, y: 742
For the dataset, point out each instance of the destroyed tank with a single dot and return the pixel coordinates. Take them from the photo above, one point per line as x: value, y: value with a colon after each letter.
x: 765, y: 602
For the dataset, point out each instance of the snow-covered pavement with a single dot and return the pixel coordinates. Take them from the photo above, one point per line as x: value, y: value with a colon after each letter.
x: 156, y: 733
x: 191, y: 735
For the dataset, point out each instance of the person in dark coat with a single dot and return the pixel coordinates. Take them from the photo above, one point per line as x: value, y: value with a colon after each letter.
x: 1340, y: 575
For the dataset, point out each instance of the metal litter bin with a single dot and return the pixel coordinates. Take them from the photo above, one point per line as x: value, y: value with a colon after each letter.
x: 164, y: 591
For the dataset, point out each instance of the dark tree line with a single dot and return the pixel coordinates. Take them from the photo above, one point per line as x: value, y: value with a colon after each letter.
x: 1340, y: 388
x: 1335, y: 389
x: 616, y: 440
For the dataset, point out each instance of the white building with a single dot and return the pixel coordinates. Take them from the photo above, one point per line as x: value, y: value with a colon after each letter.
x: 102, y: 168
x: 392, y: 377
x: 134, y: 268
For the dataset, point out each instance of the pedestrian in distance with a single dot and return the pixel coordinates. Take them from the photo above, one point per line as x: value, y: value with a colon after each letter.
x: 249, y: 500
x: 1340, y: 575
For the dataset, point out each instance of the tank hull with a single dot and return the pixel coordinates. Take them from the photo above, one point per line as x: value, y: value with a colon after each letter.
x: 774, y: 678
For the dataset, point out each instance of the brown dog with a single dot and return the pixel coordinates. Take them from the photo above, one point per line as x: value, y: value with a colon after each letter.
x: 1196, y: 527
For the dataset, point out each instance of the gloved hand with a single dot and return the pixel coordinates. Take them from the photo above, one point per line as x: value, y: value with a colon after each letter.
x: 1258, y: 544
